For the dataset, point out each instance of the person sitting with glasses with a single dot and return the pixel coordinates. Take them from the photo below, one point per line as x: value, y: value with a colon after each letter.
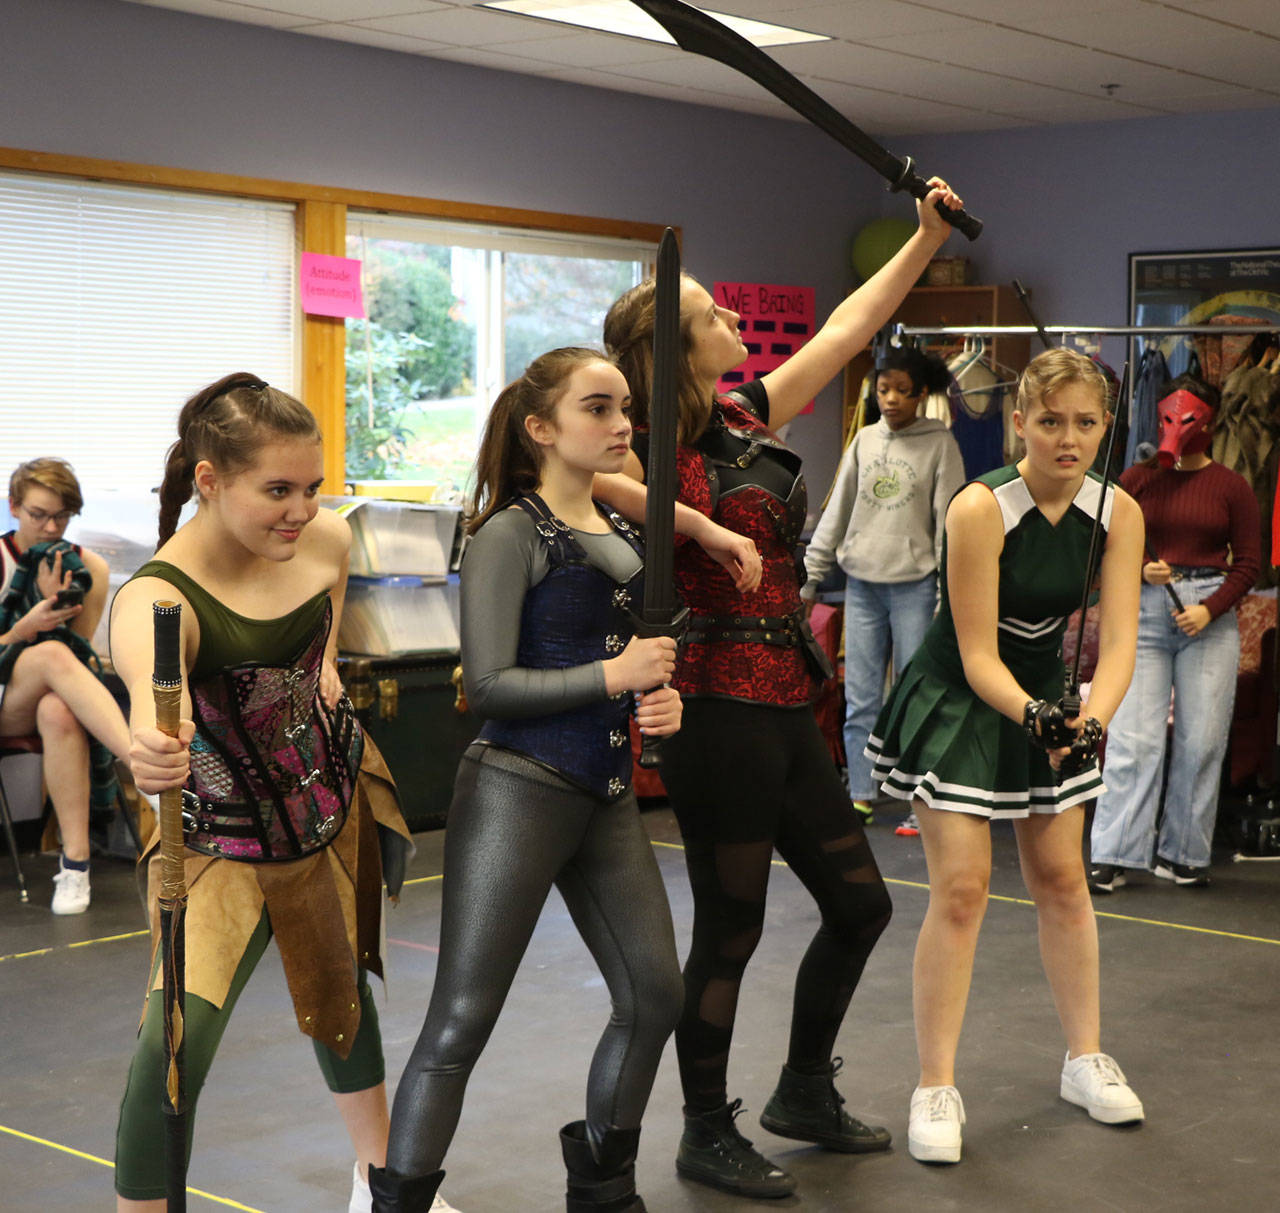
x: 51, y: 590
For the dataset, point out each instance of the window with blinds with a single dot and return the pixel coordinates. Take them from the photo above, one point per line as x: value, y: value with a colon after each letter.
x: 118, y: 303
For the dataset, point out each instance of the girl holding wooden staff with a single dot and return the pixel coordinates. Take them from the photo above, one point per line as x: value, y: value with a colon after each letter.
x: 286, y: 805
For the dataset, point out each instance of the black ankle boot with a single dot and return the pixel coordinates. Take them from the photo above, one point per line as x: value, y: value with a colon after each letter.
x: 807, y: 1107
x: 713, y: 1152
x: 602, y: 1179
x: 394, y: 1193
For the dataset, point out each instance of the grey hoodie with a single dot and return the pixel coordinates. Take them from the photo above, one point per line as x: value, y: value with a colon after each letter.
x: 884, y: 520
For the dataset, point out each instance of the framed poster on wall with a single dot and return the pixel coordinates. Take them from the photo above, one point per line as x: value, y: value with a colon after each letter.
x: 1221, y: 287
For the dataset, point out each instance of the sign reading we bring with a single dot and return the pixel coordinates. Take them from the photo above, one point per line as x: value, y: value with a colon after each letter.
x: 776, y: 321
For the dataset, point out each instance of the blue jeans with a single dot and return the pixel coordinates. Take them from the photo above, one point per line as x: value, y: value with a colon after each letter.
x: 1201, y: 673
x: 874, y: 614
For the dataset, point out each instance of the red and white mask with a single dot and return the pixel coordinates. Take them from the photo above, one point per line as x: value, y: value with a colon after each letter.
x: 1184, y: 420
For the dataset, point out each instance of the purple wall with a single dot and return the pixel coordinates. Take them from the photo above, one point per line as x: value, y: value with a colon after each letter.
x: 131, y: 82
x: 1065, y: 207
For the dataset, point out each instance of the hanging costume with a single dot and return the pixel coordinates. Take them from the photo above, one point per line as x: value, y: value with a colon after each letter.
x: 939, y: 742
x: 749, y: 770
x: 543, y: 796
x: 289, y: 812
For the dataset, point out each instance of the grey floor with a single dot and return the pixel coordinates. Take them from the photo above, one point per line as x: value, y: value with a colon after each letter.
x: 1191, y: 1001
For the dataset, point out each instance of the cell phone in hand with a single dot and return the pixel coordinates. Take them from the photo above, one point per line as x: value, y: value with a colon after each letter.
x: 71, y: 596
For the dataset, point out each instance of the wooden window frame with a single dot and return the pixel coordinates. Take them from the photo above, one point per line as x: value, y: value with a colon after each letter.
x: 322, y: 228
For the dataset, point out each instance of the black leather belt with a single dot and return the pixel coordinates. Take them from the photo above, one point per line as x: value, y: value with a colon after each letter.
x: 1182, y: 572
x: 745, y: 629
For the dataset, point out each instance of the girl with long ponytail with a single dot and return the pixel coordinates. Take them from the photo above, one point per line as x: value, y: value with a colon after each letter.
x: 544, y: 796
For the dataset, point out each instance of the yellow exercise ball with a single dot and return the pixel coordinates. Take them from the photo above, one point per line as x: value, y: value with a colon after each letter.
x: 876, y: 243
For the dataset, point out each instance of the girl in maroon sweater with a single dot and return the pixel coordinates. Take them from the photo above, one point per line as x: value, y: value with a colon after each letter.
x: 1203, y: 541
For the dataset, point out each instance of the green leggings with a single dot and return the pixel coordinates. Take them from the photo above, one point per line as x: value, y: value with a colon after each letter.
x: 140, y: 1133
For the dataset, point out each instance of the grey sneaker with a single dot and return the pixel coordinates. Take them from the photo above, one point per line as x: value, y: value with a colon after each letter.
x: 1094, y: 1082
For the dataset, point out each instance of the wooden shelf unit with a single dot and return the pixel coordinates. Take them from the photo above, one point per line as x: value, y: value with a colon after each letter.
x: 927, y: 306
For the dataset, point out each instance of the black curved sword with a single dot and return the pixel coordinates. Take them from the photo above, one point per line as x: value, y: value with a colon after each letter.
x: 699, y: 34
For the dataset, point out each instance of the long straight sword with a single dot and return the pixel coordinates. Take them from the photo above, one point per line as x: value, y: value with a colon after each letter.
x: 662, y: 614
x: 700, y: 34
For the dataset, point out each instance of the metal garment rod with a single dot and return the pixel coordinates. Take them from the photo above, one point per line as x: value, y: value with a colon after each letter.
x: 1095, y: 330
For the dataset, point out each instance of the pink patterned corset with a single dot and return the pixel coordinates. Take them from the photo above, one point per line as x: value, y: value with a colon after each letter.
x: 272, y: 768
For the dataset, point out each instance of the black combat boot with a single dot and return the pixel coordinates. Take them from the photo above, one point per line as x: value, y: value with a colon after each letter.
x: 602, y: 1178
x: 713, y: 1152
x: 394, y: 1193
x: 807, y: 1107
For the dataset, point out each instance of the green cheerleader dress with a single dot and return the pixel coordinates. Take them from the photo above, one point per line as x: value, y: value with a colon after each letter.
x: 935, y: 739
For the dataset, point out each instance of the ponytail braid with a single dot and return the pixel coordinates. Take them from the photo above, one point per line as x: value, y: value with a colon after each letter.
x: 227, y: 423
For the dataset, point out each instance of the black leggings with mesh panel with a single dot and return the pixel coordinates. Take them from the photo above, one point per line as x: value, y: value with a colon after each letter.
x: 745, y: 779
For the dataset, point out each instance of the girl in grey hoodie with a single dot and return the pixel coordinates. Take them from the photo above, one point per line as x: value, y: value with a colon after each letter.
x: 883, y: 525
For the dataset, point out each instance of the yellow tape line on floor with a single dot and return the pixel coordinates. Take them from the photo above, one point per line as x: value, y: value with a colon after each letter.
x: 1026, y: 901
x: 53, y: 1145
x: 89, y: 943
x: 82, y: 943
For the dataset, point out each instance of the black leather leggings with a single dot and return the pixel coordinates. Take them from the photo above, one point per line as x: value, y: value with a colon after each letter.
x: 745, y: 779
x: 514, y: 830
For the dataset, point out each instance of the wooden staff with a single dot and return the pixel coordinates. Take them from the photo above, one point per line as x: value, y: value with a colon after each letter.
x: 166, y: 686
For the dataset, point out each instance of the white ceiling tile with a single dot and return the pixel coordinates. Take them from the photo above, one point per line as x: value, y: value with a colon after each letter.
x: 226, y: 10
x: 353, y: 10
x: 371, y: 37
x: 1260, y: 15
x: 594, y: 50
x: 858, y: 20
x: 1018, y: 12
x: 462, y: 26
x: 479, y: 56
x: 900, y: 73
x: 926, y: 64
x: 703, y: 74
x: 1230, y: 57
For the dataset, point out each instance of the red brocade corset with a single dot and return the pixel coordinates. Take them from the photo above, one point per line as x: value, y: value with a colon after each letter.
x: 743, y: 669
x: 272, y: 768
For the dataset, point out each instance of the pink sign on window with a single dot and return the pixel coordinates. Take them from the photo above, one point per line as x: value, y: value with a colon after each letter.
x: 776, y: 321
x: 330, y: 286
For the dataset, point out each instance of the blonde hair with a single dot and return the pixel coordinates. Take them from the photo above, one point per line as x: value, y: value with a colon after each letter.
x: 1055, y: 369
x: 47, y: 473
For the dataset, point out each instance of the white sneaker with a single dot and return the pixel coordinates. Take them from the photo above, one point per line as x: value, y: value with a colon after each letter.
x: 70, y: 891
x: 362, y: 1198
x: 1097, y: 1084
x: 933, y: 1133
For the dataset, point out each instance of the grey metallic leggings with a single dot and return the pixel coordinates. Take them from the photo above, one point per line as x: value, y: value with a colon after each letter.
x: 514, y: 830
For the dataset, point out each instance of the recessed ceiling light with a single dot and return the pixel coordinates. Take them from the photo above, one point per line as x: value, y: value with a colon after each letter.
x: 623, y: 17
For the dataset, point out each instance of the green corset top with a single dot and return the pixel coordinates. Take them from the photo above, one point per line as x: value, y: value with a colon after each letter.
x: 228, y: 639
